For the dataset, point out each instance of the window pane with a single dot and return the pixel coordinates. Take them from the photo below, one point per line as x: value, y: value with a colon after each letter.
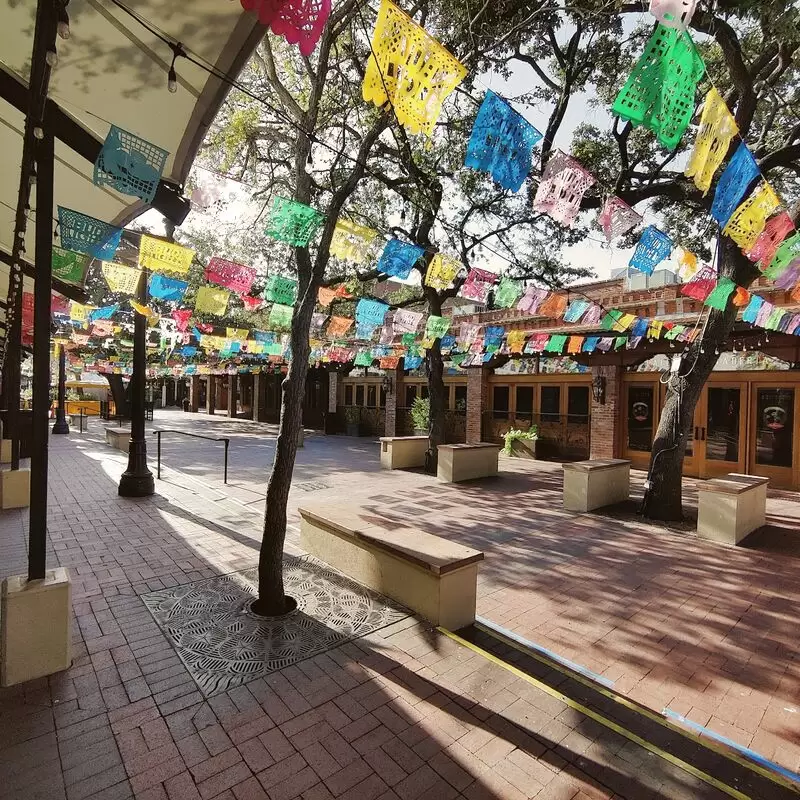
x: 461, y: 398
x: 722, y: 436
x: 348, y: 395
x: 640, y: 418
x: 524, y: 401
x: 578, y: 404
x: 500, y: 398
x: 372, y: 393
x: 382, y: 398
x: 551, y: 403
x: 411, y: 394
x: 424, y: 390
x: 774, y: 431
x: 360, y: 394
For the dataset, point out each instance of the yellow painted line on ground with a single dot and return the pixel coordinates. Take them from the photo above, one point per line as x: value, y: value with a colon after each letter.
x: 709, y: 744
x: 678, y: 762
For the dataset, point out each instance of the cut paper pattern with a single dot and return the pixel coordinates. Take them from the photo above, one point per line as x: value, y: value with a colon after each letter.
x: 236, y: 277
x: 564, y: 182
x: 292, y: 222
x: 515, y: 341
x: 365, y: 330
x: 701, y: 285
x: 84, y: 234
x: 398, y: 258
x: 120, y: 278
x: 69, y: 267
x: 130, y: 164
x: 404, y: 321
x: 659, y: 93
x: 653, y: 248
x: 409, y: 69
x: 501, y: 143
x: 181, y: 317
x: 768, y: 242
x: 718, y: 298
x: 554, y: 306
x: 750, y: 314
x: 371, y: 312
x: 252, y: 303
x: 617, y: 218
x: 575, y: 310
x: 145, y: 311
x: 442, y: 271
x: 338, y: 326
x: 352, y: 242
x: 163, y: 288
x: 741, y: 297
x: 211, y: 301
x: 363, y: 359
x: 508, y: 293
x: 436, y: 327
x: 325, y: 296
x: 160, y: 256
x: 790, y: 276
x: 717, y: 128
x: 104, y: 313
x: 688, y: 265
x: 281, y: 289
x: 741, y: 171
x: 300, y: 22
x: 593, y: 314
x: 478, y: 284
x: 747, y: 222
x: 786, y: 253
x: 673, y: 13
x: 280, y: 316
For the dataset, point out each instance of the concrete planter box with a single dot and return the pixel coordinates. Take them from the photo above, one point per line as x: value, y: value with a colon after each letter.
x: 594, y: 484
x: 523, y: 448
x: 731, y: 507
x: 463, y: 462
x: 352, y: 429
x: 402, y: 452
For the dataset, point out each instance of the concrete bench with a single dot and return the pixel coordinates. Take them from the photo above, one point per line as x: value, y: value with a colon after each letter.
x: 462, y: 462
x: 401, y: 452
x: 731, y: 507
x: 119, y: 438
x: 435, y: 577
x: 594, y: 484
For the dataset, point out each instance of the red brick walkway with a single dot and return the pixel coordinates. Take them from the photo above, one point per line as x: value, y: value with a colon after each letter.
x: 403, y: 713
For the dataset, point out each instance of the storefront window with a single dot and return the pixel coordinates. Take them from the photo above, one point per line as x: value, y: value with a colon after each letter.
x: 722, y: 434
x: 774, y: 427
x: 500, y: 398
x: 411, y: 394
x: 640, y: 418
x: 551, y: 403
x: 578, y: 405
x: 461, y: 398
x: 360, y: 394
x: 524, y: 401
x: 348, y: 395
x: 372, y: 393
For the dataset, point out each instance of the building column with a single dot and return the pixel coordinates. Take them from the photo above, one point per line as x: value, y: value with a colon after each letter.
x: 606, y: 417
x: 233, y: 381
x: 211, y: 394
x: 333, y: 391
x: 259, y: 397
x: 194, y: 393
x: 477, y: 402
x: 221, y: 393
x: 394, y: 399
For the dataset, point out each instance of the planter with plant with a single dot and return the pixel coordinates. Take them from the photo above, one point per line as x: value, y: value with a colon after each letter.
x: 421, y: 416
x: 521, y: 444
x: 352, y: 420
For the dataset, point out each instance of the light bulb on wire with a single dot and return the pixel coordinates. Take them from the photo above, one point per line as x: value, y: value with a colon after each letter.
x: 172, y: 76
x: 51, y: 58
x: 63, y: 20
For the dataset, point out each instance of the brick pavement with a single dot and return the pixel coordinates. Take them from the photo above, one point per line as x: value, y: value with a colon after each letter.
x: 402, y: 713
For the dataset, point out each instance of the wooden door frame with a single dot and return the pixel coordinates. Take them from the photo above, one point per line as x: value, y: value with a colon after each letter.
x: 780, y: 477
x: 710, y: 468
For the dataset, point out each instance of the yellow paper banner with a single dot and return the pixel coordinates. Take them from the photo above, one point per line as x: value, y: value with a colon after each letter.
x: 145, y: 311
x: 352, y: 242
x: 717, y: 128
x: 747, y: 222
x: 120, y: 278
x: 212, y: 301
x: 161, y: 256
x: 441, y: 271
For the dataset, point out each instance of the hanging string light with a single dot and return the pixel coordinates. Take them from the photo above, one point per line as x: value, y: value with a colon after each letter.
x: 63, y: 19
x: 172, y: 76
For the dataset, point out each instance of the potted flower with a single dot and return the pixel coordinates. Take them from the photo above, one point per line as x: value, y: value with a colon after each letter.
x: 421, y: 416
x: 352, y: 419
x: 521, y: 444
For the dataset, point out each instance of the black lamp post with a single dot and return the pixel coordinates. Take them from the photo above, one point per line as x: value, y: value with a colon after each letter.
x: 137, y: 480
x: 61, y: 425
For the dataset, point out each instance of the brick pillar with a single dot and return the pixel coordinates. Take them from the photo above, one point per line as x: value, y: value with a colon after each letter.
x: 221, y: 393
x: 260, y: 397
x: 211, y: 394
x: 233, y: 381
x: 606, y: 419
x: 194, y: 393
x: 333, y: 391
x: 477, y: 401
x: 394, y: 400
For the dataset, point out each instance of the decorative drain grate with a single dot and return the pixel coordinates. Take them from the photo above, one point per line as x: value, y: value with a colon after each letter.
x: 223, y: 646
x: 312, y: 486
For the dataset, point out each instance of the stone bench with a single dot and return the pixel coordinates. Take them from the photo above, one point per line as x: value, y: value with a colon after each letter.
x: 731, y: 507
x: 594, y: 484
x: 401, y: 452
x: 119, y: 438
x: 463, y: 462
x: 433, y: 576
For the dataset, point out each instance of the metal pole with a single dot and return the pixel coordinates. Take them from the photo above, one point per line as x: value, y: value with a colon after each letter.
x: 37, y: 543
x: 159, y: 455
x: 137, y: 480
x: 61, y: 425
x: 227, y: 442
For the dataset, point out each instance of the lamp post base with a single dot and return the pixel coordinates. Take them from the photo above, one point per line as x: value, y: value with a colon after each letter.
x: 137, y: 484
x: 60, y: 426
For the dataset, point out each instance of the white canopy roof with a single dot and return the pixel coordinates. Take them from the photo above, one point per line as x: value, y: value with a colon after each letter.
x: 113, y: 70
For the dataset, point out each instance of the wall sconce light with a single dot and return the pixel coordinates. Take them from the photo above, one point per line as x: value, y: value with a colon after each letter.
x: 387, y: 384
x: 599, y: 390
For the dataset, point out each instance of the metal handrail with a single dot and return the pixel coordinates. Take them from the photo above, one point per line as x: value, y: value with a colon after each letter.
x: 224, y: 439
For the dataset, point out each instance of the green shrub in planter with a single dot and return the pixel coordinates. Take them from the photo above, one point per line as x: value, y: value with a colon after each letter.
x: 521, y: 443
x: 352, y: 419
x: 421, y: 416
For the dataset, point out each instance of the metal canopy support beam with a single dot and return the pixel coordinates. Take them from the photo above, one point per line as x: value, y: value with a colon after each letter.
x: 29, y: 271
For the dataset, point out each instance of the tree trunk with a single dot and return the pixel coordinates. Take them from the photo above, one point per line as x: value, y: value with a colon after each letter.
x: 436, y: 395
x: 271, y: 596
x: 662, y: 499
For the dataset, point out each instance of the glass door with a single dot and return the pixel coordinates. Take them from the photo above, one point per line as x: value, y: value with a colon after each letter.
x: 641, y: 418
x: 772, y: 452
x: 720, y: 435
